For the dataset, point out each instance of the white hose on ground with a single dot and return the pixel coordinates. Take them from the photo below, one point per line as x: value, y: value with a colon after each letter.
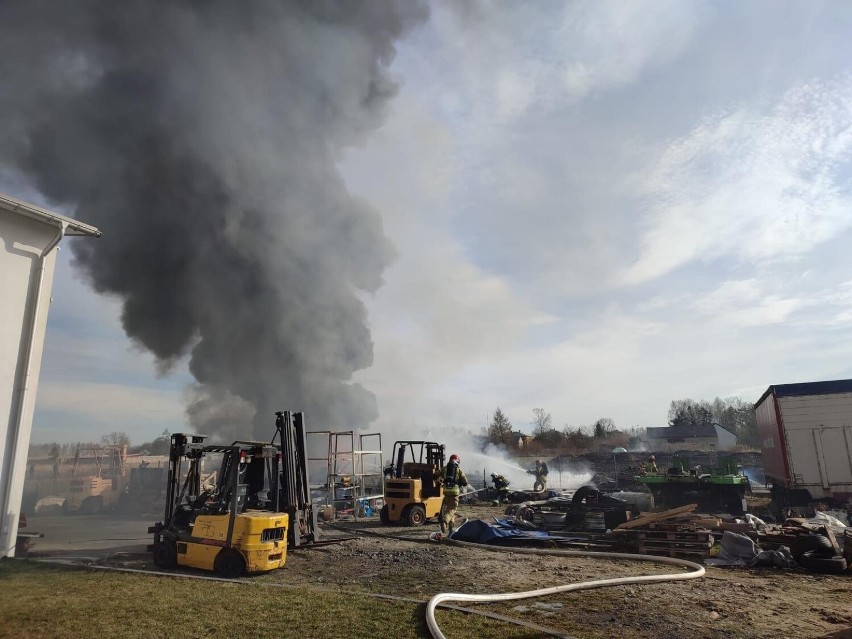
x: 434, y: 602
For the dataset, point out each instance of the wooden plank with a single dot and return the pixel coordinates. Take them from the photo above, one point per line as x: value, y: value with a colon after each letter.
x: 670, y: 543
x: 711, y: 523
x: 830, y: 534
x: 654, y: 517
x: 674, y: 552
x: 663, y: 535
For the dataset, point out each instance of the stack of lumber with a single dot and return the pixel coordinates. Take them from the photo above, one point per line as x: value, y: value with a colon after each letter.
x: 671, y: 533
x: 684, y: 518
x: 675, y: 516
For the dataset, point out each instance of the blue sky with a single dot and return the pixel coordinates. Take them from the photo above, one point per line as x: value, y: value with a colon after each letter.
x: 597, y: 208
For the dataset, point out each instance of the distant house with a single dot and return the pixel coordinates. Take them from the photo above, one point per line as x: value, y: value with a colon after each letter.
x: 520, y: 439
x: 691, y: 437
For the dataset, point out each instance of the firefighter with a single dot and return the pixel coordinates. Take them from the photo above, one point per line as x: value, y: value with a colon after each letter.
x: 651, y: 466
x: 453, y: 479
x: 501, y: 485
x: 540, y: 473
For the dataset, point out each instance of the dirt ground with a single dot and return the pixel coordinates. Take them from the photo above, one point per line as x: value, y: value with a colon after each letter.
x: 727, y: 602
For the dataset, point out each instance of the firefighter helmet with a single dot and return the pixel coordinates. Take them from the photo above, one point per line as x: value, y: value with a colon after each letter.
x: 455, y: 458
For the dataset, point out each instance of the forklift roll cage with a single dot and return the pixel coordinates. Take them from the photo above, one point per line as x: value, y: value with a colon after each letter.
x: 236, y: 489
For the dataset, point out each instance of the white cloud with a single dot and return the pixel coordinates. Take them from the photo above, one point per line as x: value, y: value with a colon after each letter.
x: 535, y: 57
x: 609, y: 44
x: 743, y: 303
x: 750, y: 186
x: 110, y: 405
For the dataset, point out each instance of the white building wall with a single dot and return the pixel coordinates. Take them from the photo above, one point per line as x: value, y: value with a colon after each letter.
x: 22, y: 241
x: 726, y: 439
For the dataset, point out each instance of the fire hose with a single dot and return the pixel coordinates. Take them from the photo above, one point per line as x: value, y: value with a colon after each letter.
x: 696, y: 571
x: 441, y: 599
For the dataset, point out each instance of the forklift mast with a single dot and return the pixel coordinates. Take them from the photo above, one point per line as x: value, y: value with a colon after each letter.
x: 295, y: 491
x: 400, y: 460
x: 182, y: 447
x: 435, y: 454
x: 248, y: 478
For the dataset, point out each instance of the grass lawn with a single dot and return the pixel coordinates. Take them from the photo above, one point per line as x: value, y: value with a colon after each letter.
x: 38, y: 600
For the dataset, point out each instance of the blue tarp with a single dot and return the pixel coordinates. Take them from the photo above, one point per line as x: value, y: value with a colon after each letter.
x: 501, y: 531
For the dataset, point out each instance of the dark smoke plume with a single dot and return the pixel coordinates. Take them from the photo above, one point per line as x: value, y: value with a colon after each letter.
x: 202, y: 138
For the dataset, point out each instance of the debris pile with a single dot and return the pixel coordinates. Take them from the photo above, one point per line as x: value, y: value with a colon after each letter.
x: 594, y: 521
x: 587, y: 510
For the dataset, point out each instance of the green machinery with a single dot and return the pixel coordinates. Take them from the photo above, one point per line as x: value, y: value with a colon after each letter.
x: 719, y: 488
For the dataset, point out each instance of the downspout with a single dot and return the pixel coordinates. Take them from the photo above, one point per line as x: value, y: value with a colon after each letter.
x: 10, y: 524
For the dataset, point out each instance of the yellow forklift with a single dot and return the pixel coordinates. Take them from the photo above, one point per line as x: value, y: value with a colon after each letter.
x: 412, y: 491
x: 231, y: 526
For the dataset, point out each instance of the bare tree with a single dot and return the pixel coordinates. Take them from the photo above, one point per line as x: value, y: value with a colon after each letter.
x: 576, y: 440
x: 115, y: 438
x: 541, y: 423
x: 603, y: 427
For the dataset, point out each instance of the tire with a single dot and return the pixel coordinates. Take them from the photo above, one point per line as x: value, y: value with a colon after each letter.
x: 818, y: 544
x: 813, y: 561
x: 582, y: 493
x: 733, y: 503
x: 416, y: 515
x: 384, y: 515
x: 525, y: 514
x: 165, y: 554
x: 229, y: 564
x: 91, y: 506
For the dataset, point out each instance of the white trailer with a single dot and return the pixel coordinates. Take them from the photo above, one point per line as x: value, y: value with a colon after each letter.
x: 806, y: 440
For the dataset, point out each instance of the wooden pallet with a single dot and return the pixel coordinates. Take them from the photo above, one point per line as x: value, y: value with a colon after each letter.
x: 685, y: 542
x: 687, y: 523
x: 703, y: 535
x: 675, y: 552
x: 664, y: 543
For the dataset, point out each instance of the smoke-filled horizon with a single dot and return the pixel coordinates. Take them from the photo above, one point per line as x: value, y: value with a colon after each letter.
x: 202, y: 138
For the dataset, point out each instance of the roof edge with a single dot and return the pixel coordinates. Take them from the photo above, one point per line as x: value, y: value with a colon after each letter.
x: 766, y: 394
x: 829, y: 387
x: 71, y: 225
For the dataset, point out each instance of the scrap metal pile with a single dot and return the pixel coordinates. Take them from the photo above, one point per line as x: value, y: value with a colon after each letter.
x: 592, y: 520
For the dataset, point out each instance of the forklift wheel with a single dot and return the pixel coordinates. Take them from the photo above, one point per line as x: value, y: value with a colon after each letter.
x: 165, y: 554
x: 415, y: 515
x: 229, y: 564
x: 384, y: 515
